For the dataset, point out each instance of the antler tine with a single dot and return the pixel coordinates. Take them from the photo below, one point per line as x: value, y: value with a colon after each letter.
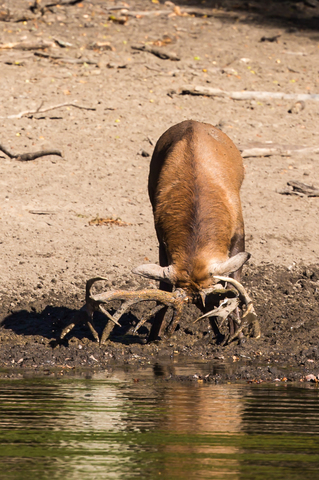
x: 146, y: 317
x: 176, y: 317
x: 95, y: 303
x: 81, y: 316
x: 241, y: 289
x: 217, y: 288
x: 85, y: 315
x: 114, y: 318
x: 89, y: 285
x: 167, y: 298
x: 224, y: 309
x: 86, y: 312
x: 249, y: 317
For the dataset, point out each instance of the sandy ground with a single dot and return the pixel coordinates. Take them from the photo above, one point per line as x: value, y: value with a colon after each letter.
x: 49, y: 245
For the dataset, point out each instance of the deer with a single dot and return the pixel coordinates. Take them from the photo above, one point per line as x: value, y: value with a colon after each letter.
x: 195, y: 177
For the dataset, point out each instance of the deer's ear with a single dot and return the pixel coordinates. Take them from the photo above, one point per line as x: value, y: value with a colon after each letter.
x: 229, y: 266
x: 155, y: 272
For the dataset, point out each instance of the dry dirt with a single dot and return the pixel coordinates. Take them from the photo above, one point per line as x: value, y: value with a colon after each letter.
x: 51, y: 240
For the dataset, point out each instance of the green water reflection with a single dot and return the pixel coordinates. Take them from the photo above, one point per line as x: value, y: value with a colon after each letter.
x: 112, y: 427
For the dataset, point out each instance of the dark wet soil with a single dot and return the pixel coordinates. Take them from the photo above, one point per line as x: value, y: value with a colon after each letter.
x: 286, y: 301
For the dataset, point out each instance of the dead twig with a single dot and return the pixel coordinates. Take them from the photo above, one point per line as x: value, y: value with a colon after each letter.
x: 62, y: 3
x: 299, y: 188
x: 267, y: 150
x: 29, y: 156
x: 246, y: 95
x: 62, y: 43
x: 8, y: 15
x: 28, y: 45
x: 144, y: 13
x: 157, y: 52
x: 61, y: 58
x: 207, y: 13
x: 12, y: 58
x: 101, y: 46
x: 175, y: 10
x: 43, y: 110
x: 270, y: 39
x: 115, y: 8
x: 43, y: 212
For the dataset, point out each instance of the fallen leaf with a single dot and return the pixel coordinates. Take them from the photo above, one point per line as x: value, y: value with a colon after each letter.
x: 97, y: 221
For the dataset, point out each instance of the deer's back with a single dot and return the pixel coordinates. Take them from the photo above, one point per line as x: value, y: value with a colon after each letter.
x: 195, y: 177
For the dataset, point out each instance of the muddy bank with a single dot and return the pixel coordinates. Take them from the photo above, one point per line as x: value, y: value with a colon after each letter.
x: 286, y: 301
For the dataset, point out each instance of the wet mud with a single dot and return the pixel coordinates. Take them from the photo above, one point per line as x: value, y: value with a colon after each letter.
x: 286, y: 301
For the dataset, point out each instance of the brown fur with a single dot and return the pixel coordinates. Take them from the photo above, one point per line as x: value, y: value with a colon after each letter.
x: 195, y: 176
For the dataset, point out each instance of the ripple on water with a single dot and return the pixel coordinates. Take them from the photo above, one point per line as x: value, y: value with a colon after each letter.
x: 114, y: 427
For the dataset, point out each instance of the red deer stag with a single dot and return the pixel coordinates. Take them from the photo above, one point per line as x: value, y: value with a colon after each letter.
x: 195, y: 177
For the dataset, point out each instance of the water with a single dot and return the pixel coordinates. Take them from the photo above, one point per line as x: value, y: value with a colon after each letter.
x: 135, y: 424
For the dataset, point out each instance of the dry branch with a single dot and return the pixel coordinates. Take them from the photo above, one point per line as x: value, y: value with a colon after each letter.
x: 267, y: 150
x: 299, y: 188
x: 8, y: 15
x: 62, y: 43
x: 175, y: 10
x: 42, y: 9
x: 28, y: 45
x: 43, y: 110
x: 143, y: 13
x: 209, y: 12
x: 157, y: 52
x: 24, y: 157
x: 246, y: 95
x: 101, y: 46
x: 62, y: 58
x: 14, y: 58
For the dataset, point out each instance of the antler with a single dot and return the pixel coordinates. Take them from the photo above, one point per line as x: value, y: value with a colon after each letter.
x: 175, y: 300
x: 249, y: 317
x: 229, y: 305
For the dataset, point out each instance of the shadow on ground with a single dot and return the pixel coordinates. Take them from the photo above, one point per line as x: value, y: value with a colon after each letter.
x: 299, y: 15
x: 49, y: 323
